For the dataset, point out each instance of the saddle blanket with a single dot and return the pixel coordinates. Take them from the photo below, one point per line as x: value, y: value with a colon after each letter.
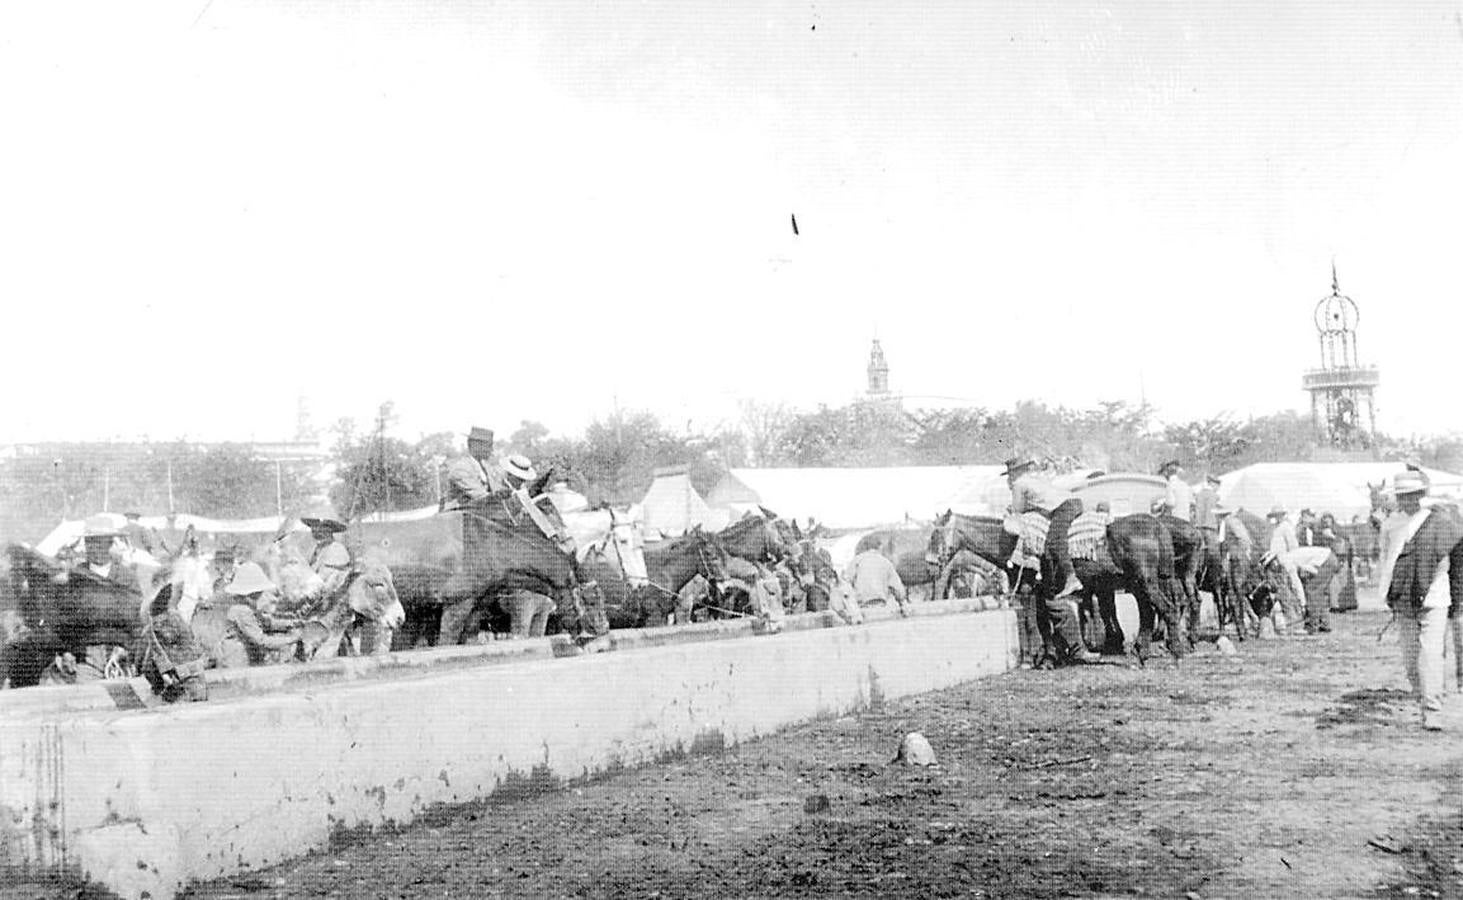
x: 1087, y: 537
x: 1031, y: 536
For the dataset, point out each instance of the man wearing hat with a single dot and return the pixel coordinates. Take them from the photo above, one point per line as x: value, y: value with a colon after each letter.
x: 1030, y: 491
x: 1055, y: 612
x: 1422, y: 579
x: 99, y: 538
x: 330, y: 559
x: 245, y: 642
x: 1178, y: 497
x: 1280, y: 555
x: 473, y: 477
x: 1206, y: 499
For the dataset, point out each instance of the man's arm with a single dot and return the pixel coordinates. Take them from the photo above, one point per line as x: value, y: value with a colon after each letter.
x: 248, y: 624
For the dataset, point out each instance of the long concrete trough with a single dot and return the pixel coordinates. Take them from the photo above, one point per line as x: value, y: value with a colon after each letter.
x: 146, y: 801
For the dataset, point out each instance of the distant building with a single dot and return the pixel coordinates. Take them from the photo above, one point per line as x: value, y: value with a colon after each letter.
x: 878, y: 392
x: 1343, y: 409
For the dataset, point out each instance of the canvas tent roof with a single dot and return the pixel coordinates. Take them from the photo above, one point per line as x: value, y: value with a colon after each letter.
x: 1338, y: 488
x: 843, y: 498
x: 672, y: 506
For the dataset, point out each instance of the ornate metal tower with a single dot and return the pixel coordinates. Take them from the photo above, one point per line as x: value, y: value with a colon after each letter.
x: 1342, y: 407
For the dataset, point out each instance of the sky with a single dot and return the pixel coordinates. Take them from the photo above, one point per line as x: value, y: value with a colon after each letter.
x: 487, y: 212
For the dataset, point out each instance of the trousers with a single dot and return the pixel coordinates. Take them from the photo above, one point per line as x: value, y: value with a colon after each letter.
x: 1421, y: 633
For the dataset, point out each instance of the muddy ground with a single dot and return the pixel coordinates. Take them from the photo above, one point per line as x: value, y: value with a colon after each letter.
x: 1296, y: 768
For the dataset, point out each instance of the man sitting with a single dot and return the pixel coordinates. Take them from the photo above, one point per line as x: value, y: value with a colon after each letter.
x: 1030, y: 491
x: 245, y: 641
x: 473, y: 477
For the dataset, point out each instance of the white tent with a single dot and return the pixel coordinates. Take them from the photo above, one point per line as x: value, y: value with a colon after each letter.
x: 1338, y: 488
x: 846, y: 498
x: 672, y: 506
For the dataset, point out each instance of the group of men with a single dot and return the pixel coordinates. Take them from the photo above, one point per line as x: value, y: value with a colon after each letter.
x: 229, y: 621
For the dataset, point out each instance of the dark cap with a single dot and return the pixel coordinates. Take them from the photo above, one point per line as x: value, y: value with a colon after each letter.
x: 476, y: 434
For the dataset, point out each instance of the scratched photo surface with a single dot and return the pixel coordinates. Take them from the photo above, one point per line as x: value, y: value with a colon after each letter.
x: 629, y: 448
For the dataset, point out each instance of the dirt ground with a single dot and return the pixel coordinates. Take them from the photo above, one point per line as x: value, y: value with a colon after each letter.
x: 1295, y: 768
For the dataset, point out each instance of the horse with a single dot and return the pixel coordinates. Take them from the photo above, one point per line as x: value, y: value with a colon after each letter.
x: 671, y: 564
x: 755, y: 538
x: 1142, y: 555
x: 612, y: 555
x: 458, y: 564
x: 1188, y: 560
x: 66, y: 611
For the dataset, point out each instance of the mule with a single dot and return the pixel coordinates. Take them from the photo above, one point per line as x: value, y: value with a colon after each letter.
x: 358, y: 621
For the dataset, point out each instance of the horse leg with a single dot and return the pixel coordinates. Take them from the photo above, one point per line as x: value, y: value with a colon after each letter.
x: 1107, y: 605
x: 454, y: 617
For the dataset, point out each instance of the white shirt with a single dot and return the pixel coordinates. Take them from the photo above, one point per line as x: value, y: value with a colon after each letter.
x: 1180, y: 498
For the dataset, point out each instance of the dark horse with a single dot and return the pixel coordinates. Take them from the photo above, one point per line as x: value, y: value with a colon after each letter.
x: 1140, y: 546
x: 1188, y: 562
x: 64, y: 611
x: 673, y: 563
x: 455, y: 562
x: 757, y: 539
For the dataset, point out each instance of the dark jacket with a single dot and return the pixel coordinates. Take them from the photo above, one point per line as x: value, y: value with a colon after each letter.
x: 1440, y: 537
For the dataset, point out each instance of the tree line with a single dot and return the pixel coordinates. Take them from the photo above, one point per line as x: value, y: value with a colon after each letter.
x: 369, y: 469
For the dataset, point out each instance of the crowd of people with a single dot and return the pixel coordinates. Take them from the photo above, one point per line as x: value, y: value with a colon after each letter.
x: 229, y: 614
x: 218, y: 610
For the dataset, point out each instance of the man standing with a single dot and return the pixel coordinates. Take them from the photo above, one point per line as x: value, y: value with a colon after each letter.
x: 1179, y: 497
x: 1206, y: 500
x: 473, y: 477
x: 1306, y: 531
x: 1422, y: 579
x: 1283, y: 542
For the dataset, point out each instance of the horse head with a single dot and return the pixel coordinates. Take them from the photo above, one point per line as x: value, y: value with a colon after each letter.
x: 712, y: 557
x: 372, y: 593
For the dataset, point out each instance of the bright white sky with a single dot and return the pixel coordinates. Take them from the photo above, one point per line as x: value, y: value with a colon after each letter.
x: 495, y: 211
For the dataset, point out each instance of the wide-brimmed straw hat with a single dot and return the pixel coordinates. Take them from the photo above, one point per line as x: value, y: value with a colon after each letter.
x: 1408, y: 482
x: 1277, y: 512
x: 249, y: 579
x: 519, y: 466
x: 313, y: 523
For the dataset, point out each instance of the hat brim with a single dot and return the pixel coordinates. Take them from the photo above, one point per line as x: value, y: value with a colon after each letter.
x: 526, y: 474
x: 331, y: 525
